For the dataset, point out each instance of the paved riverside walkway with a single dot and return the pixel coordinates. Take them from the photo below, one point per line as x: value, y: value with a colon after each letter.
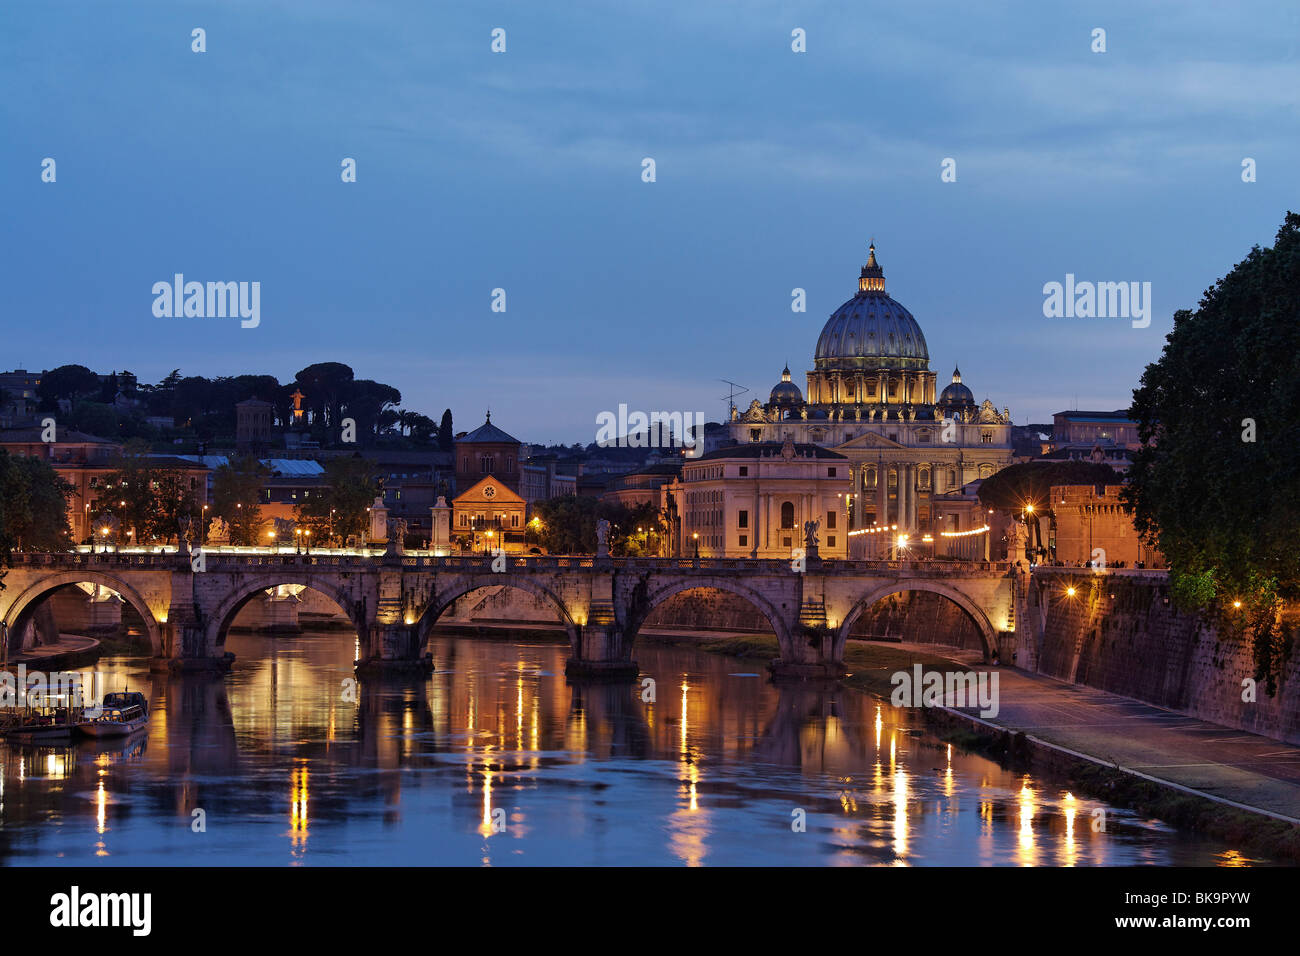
x: 67, y: 644
x: 1212, y: 760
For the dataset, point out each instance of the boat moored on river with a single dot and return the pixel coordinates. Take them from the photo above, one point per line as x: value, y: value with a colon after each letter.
x: 123, y: 714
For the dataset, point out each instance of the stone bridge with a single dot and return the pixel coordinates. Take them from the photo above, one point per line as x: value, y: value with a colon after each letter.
x: 394, y: 600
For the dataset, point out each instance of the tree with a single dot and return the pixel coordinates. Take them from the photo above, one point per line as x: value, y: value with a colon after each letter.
x: 422, y: 428
x: 147, y: 498
x: 1214, y: 486
x: 348, y: 488
x: 568, y: 525
x: 33, y: 506
x: 446, y: 437
x: 326, y: 386
x: 70, y: 382
x: 366, y: 402
x: 236, y: 497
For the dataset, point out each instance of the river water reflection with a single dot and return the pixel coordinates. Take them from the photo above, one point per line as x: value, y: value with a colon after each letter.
x: 495, y: 759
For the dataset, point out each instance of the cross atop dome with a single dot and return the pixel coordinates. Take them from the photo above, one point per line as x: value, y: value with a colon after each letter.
x: 873, y: 277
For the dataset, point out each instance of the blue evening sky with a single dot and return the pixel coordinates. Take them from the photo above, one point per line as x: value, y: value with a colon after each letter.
x: 522, y: 171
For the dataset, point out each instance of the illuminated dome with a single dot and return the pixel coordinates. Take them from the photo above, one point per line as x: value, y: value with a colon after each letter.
x: 785, y: 393
x: 956, y: 395
x: 871, y: 330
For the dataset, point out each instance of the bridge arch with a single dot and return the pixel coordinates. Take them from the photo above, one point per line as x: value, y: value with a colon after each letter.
x: 456, y: 587
x: 26, y: 602
x: 988, y: 636
x: 228, y: 608
x: 661, y: 592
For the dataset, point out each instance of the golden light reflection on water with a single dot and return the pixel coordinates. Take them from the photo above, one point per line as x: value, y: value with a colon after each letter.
x: 900, y: 817
x: 1026, y: 852
x: 1069, y: 849
x: 689, y: 826
x: 485, y: 825
x: 298, y: 814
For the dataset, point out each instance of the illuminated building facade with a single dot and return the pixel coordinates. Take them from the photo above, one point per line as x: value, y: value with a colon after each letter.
x: 871, y: 397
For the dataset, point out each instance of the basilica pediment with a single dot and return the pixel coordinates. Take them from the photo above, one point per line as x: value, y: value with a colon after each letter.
x: 869, y: 440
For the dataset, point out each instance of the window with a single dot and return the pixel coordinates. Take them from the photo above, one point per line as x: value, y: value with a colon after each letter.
x: 744, y: 541
x: 893, y: 436
x: 756, y: 434
x: 830, y: 520
x: 514, y: 520
x: 830, y: 541
x: 830, y: 472
x: 485, y: 464
x: 464, y: 520
x: 787, y: 514
x: 744, y: 471
x: 743, y: 521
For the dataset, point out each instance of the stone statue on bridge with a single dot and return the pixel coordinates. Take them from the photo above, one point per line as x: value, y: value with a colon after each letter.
x: 810, y: 534
x: 218, y: 531
x: 602, y: 538
x: 396, y: 536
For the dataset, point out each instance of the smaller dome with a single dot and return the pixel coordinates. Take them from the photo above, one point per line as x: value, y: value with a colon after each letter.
x: 785, y: 393
x: 956, y: 394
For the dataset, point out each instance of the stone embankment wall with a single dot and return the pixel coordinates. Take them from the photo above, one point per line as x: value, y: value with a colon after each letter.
x: 917, y: 617
x: 1120, y: 633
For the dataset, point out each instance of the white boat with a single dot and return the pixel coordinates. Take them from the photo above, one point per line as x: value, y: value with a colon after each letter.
x: 123, y: 714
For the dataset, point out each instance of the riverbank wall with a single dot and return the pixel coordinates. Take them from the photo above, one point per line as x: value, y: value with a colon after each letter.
x: 1119, y: 632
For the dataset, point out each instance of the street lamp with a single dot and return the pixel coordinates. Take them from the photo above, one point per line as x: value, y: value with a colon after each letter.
x: 297, y: 540
x: 695, y: 536
x: 271, y: 538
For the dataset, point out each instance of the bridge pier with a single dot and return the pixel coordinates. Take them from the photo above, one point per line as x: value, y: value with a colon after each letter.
x: 185, y: 645
x: 599, y: 651
x: 810, y: 654
x: 393, y: 649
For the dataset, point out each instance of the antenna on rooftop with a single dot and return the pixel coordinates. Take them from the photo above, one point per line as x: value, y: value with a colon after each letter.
x: 730, y: 397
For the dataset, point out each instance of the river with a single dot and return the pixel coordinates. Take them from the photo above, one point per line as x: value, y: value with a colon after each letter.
x: 496, y: 760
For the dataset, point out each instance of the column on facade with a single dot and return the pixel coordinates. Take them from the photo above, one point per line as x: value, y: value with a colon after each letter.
x: 767, y: 520
x: 912, y: 492
x: 900, y: 503
x: 755, y: 523
x: 882, y: 494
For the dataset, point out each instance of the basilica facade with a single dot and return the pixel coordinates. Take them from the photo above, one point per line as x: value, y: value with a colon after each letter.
x: 871, y: 397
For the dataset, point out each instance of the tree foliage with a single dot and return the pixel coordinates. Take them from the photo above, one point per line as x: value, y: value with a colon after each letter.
x: 568, y: 525
x: 70, y: 382
x: 236, y: 498
x: 1215, y: 487
x: 339, y: 508
x: 33, y: 506
x: 148, y: 498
